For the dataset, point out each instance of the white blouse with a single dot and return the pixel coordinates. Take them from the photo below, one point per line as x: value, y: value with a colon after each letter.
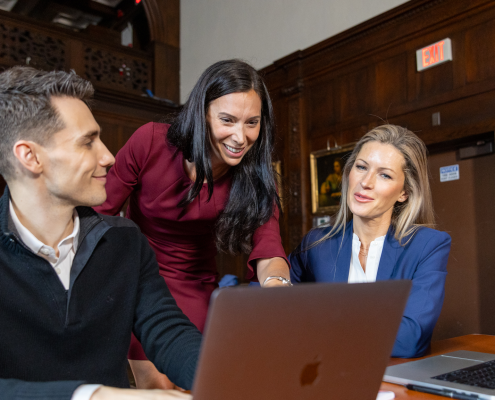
x: 356, y: 273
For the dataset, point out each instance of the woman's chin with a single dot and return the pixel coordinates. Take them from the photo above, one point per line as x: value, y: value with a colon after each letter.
x: 232, y: 162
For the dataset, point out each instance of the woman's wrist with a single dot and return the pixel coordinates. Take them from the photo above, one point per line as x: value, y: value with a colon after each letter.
x: 284, y: 281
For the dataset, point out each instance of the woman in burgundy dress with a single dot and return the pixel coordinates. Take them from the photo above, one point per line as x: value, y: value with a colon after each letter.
x: 204, y: 183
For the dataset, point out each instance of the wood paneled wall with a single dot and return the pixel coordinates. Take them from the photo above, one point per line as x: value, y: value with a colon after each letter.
x: 342, y: 87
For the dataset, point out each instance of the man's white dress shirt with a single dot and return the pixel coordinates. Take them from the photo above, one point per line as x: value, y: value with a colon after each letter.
x: 356, y: 273
x: 62, y: 265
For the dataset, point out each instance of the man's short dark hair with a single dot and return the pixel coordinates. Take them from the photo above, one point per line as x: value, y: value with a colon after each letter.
x: 26, y: 111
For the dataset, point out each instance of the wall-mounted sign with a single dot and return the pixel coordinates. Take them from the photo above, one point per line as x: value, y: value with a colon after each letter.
x: 434, y: 54
x: 450, y: 173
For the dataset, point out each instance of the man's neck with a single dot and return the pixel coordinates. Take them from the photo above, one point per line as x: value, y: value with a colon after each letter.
x: 45, y: 217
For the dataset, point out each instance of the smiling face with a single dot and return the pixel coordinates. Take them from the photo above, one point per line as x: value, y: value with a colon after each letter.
x: 376, y: 182
x: 234, y: 121
x: 75, y: 160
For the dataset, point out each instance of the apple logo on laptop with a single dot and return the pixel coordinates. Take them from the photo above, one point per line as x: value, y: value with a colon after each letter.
x: 309, y: 373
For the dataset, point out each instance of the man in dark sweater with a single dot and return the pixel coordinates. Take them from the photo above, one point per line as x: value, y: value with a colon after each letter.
x: 73, y: 283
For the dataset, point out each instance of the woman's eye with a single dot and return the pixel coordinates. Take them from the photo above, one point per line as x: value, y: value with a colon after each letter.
x: 253, y: 123
x: 89, y: 144
x: 386, y: 176
x: 361, y: 167
x: 226, y: 120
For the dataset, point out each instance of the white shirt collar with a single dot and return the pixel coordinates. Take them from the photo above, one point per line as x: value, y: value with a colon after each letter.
x: 32, y: 242
x: 356, y: 273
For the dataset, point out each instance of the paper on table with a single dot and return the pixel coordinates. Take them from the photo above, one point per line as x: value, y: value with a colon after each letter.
x: 385, y: 395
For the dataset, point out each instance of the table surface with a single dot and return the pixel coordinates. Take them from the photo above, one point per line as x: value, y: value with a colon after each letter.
x: 482, y: 343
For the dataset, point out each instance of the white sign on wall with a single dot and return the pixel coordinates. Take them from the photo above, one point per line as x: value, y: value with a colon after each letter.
x: 434, y: 54
x: 450, y: 173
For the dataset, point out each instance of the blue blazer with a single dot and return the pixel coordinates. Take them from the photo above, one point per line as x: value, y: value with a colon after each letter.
x: 423, y: 260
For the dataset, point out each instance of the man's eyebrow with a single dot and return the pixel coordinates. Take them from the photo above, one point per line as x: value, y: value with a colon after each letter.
x: 91, y: 134
x: 96, y: 132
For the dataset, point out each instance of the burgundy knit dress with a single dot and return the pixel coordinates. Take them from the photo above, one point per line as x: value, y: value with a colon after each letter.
x: 150, y: 171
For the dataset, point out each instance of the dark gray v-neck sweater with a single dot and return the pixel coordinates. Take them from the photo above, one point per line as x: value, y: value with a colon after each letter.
x: 53, y: 340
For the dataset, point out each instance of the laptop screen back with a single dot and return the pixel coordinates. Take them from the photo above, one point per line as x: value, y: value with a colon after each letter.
x: 311, y: 341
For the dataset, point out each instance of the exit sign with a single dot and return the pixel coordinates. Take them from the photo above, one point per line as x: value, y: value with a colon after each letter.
x: 434, y: 54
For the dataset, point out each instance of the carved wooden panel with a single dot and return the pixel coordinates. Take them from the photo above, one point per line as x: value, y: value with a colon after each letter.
x: 434, y: 81
x: 20, y: 46
x: 354, y: 94
x: 116, y: 128
x: 480, y: 52
x: 390, y: 83
x: 294, y: 145
x: 116, y: 70
x: 321, y: 106
x: 295, y: 209
x: 122, y: 70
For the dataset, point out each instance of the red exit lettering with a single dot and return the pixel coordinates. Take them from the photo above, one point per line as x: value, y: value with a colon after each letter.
x: 432, y: 54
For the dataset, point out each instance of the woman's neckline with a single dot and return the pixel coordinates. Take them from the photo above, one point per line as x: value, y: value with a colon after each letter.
x: 185, y: 175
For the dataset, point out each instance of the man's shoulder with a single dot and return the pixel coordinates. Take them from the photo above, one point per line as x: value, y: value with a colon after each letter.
x: 118, y: 222
x: 89, y: 217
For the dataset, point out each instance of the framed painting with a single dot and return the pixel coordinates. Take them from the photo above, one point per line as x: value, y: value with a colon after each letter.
x: 326, y: 178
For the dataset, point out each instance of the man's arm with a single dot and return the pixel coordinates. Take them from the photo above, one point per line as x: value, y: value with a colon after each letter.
x: 168, y: 338
x: 15, y: 389
x: 109, y: 393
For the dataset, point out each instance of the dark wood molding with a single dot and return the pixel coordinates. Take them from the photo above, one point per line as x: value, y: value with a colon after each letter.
x: 164, y: 21
x: 291, y: 90
x: 135, y: 102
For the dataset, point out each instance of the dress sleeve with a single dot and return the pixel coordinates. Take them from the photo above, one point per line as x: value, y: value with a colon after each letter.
x: 425, y: 299
x: 124, y: 174
x: 266, y: 244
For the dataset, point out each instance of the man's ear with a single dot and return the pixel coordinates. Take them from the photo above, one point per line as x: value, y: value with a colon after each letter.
x: 27, y: 153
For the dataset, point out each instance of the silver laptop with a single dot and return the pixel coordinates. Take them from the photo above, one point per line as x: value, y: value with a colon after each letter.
x: 451, y: 375
x: 311, y: 341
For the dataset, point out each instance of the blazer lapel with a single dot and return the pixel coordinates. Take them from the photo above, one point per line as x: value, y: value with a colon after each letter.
x: 344, y: 255
x: 390, y: 254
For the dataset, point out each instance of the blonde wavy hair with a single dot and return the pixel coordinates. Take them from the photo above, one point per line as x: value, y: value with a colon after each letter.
x: 417, y: 210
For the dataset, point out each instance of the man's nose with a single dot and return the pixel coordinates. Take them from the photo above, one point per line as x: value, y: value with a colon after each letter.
x: 106, y: 159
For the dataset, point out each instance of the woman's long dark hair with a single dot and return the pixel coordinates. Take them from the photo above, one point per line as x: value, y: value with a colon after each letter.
x: 253, y: 195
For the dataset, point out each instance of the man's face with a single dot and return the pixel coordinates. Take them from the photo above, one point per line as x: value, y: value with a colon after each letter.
x: 75, y: 160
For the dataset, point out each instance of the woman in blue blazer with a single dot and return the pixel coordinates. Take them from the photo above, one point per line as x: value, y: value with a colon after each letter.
x: 382, y: 231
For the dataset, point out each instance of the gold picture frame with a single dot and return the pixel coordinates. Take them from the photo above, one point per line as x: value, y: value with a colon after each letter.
x: 326, y: 178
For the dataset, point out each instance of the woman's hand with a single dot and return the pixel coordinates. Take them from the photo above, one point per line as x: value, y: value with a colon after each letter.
x: 110, y: 393
x: 275, y: 266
